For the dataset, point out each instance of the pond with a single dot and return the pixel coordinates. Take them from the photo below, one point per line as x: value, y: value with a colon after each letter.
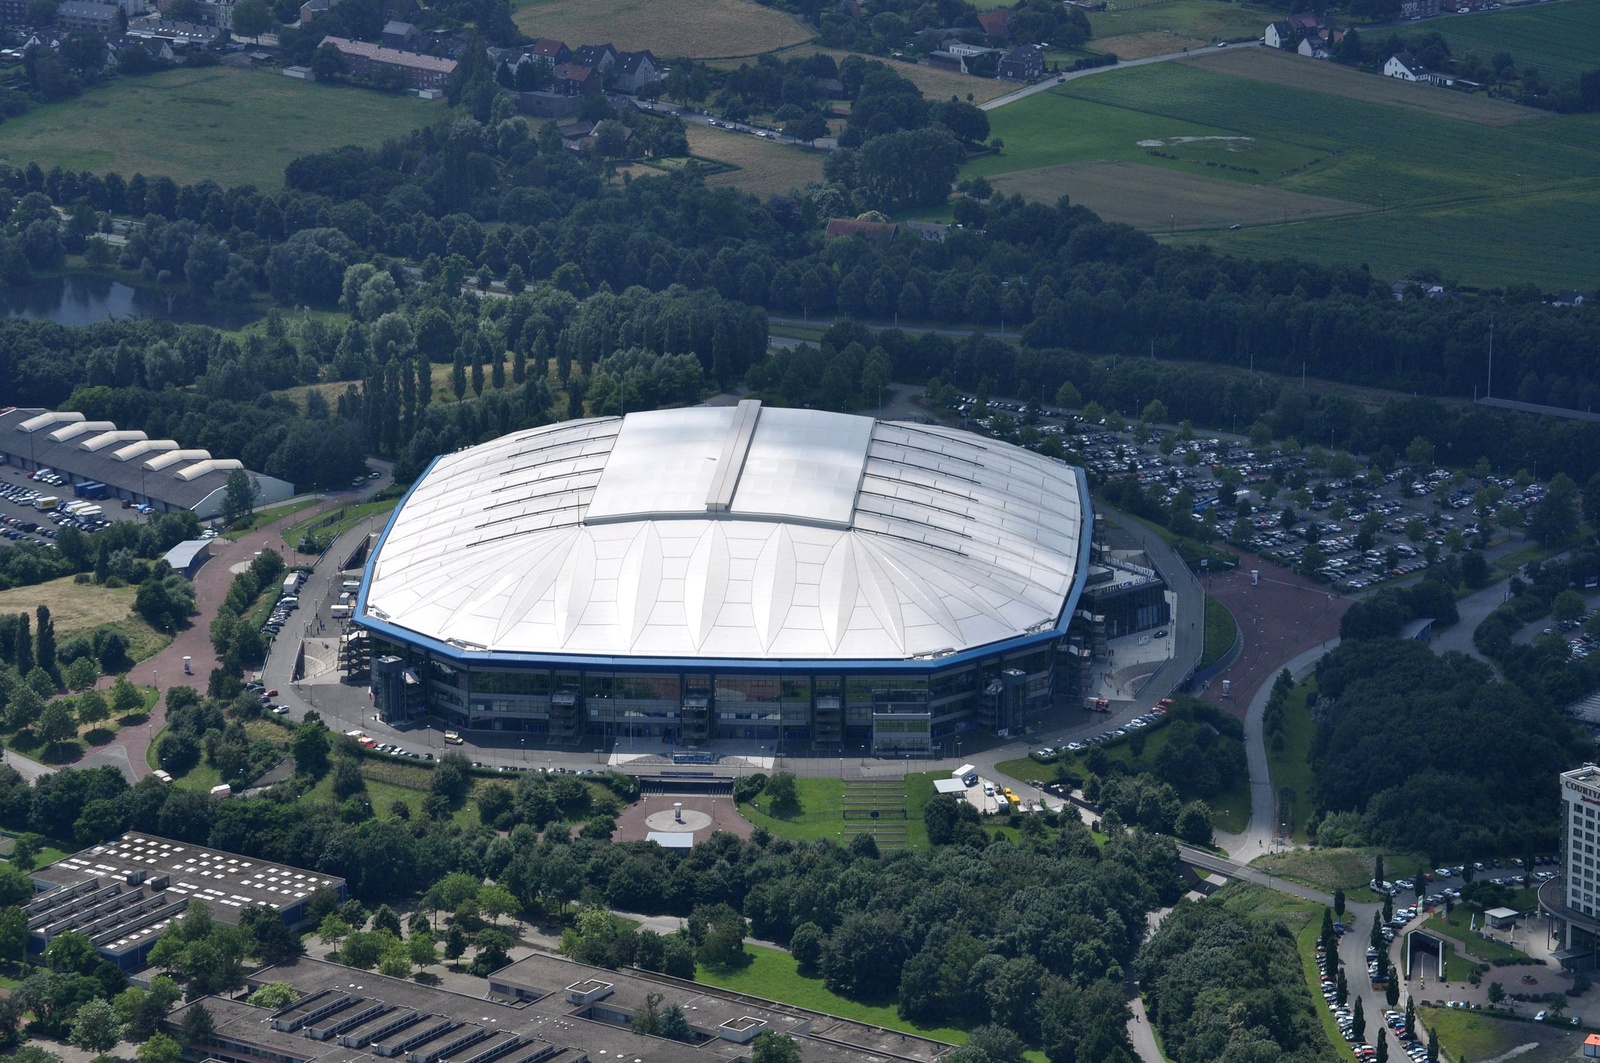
x: 76, y: 299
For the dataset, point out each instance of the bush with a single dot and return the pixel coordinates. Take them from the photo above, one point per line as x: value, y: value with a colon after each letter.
x: 747, y: 787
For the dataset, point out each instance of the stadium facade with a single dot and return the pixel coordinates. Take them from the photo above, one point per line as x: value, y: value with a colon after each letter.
x: 743, y: 572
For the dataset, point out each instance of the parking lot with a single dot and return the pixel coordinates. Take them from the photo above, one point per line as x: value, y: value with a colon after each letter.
x: 23, y: 522
x: 1367, y: 527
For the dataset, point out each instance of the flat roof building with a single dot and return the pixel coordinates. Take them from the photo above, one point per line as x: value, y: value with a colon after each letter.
x: 122, y: 894
x: 132, y: 466
x: 543, y: 1009
x: 742, y: 572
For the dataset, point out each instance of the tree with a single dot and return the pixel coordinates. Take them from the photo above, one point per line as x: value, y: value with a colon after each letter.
x: 13, y: 934
x: 125, y: 697
x: 45, y: 640
x: 159, y: 1048
x: 240, y: 495
x: 327, y: 62
x: 1554, y: 520
x: 274, y: 995
x: 1358, y: 1021
x: 774, y: 1047
x: 673, y: 1025
x: 92, y: 707
x: 309, y: 746
x: 783, y: 794
x: 81, y: 673
x: 1568, y: 607
x: 55, y: 723
x: 252, y: 18
x: 1497, y: 993
x: 96, y: 1028
x: 198, y: 1026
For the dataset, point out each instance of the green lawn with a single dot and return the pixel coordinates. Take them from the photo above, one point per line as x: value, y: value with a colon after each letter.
x: 1331, y: 869
x: 821, y: 812
x: 1221, y: 632
x: 1480, y: 1035
x: 233, y: 126
x: 1481, y: 203
x: 1289, y: 765
x: 772, y: 975
x: 1561, y: 40
x: 336, y: 522
x: 1202, y: 20
x: 1456, y: 925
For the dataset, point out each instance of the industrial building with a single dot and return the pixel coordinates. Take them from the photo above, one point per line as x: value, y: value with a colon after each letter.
x: 543, y: 1009
x: 130, y: 466
x: 122, y: 894
x: 741, y: 572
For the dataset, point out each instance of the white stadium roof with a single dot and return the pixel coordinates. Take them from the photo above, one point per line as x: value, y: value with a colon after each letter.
x: 729, y: 533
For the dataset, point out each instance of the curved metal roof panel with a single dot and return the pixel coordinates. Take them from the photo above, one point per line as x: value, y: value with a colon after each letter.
x: 733, y: 532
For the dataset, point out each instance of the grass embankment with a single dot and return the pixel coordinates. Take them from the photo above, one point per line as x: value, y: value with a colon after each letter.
x: 1220, y: 634
x: 328, y: 526
x: 773, y: 974
x: 1338, y: 869
x: 1289, y: 763
x: 236, y: 127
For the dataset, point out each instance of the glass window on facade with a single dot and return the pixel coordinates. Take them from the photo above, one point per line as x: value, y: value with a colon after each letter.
x: 527, y: 683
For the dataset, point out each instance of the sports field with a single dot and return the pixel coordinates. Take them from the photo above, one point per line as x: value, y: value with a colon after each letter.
x: 699, y: 29
x: 1561, y: 40
x: 766, y: 167
x: 233, y: 126
x: 1449, y: 182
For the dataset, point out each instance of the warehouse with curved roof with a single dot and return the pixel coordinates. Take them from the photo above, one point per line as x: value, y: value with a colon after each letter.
x: 735, y: 572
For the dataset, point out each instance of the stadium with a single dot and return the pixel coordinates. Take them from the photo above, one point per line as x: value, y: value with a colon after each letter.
x: 742, y: 572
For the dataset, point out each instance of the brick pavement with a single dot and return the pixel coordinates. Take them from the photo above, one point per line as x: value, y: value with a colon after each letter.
x: 128, y: 750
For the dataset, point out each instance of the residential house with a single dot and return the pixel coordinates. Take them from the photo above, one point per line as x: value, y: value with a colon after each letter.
x: 13, y: 12
x: 574, y: 79
x: 996, y: 24
x: 1570, y: 297
x: 1319, y: 45
x: 928, y: 230
x: 597, y: 57
x: 1279, y: 35
x: 1404, y: 65
x: 867, y: 230
x: 1304, y: 24
x: 179, y: 34
x: 1024, y: 63
x: 400, y: 36
x: 80, y: 16
x: 422, y: 72
x: 635, y: 70
x: 312, y: 8
x: 552, y: 53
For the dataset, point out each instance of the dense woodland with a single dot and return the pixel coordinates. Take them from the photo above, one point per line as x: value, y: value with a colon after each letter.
x: 1411, y: 752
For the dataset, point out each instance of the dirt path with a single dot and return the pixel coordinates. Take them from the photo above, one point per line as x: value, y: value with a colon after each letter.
x: 128, y: 749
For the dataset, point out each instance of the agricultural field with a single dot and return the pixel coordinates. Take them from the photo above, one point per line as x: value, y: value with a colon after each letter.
x: 709, y: 29
x: 1455, y: 188
x: 1561, y: 40
x: 233, y: 126
x: 79, y: 608
x: 765, y: 167
x: 1273, y: 66
x: 1134, y: 30
x: 1150, y: 197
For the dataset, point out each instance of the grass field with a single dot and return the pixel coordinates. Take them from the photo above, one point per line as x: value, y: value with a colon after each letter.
x: 1458, y: 925
x: 822, y: 810
x: 706, y: 29
x: 1273, y: 66
x: 1150, y: 197
x: 1289, y: 766
x: 79, y: 608
x: 1561, y: 40
x: 766, y: 167
x: 772, y: 974
x: 1221, y: 632
x: 1134, y: 30
x: 1447, y: 181
x: 234, y: 126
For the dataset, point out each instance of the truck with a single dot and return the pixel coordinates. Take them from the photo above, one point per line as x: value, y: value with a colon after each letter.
x: 339, y: 612
x: 92, y: 511
x: 93, y: 490
x: 1097, y: 704
x: 74, y: 508
x: 291, y: 582
x: 46, y: 503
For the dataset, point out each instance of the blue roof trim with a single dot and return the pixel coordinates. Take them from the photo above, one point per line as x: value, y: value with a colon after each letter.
x: 481, y: 658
